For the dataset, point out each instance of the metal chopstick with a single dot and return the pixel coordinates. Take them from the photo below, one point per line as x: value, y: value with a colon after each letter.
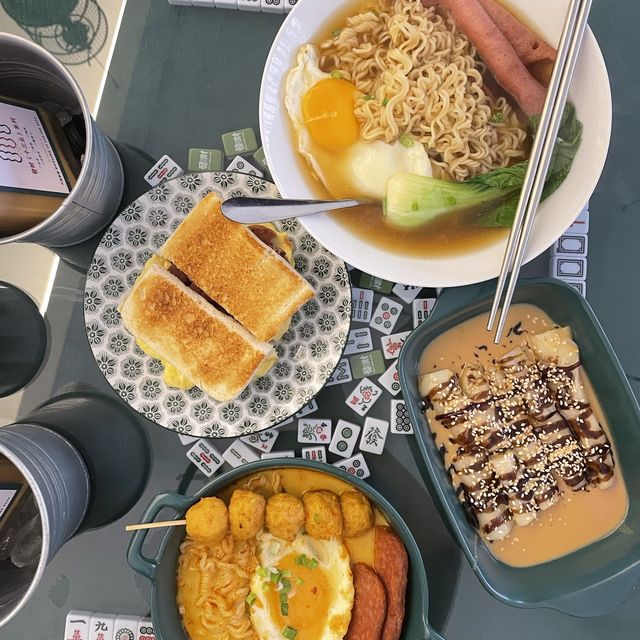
x: 541, y: 154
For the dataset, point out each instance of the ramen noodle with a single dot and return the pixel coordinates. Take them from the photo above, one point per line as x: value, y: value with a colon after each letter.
x: 420, y: 76
x: 213, y: 583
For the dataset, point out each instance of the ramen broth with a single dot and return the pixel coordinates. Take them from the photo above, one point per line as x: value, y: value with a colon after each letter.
x: 579, y: 518
x: 450, y: 235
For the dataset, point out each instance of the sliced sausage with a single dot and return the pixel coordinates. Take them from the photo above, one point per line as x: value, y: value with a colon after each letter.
x: 370, y: 605
x: 391, y: 562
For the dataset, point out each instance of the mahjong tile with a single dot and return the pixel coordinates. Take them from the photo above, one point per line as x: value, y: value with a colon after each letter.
x: 386, y: 315
x: 390, y: 379
x: 239, y: 453
x: 262, y: 441
x: 400, y: 421
x: 356, y: 466
x: 344, y: 438
x: 206, y: 457
x: 364, y: 396
x: 314, y: 431
x: 392, y: 344
x: 341, y: 374
x: 374, y: 435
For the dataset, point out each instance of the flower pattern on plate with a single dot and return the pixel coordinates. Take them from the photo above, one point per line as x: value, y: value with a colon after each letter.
x: 309, y: 351
x: 158, y: 217
x: 122, y: 260
x: 190, y: 181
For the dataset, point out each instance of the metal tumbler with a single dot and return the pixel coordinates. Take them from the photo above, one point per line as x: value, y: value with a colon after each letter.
x: 58, y: 479
x: 30, y: 73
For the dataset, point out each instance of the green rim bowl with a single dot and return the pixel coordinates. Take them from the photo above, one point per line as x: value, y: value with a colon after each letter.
x: 588, y: 582
x: 161, y: 568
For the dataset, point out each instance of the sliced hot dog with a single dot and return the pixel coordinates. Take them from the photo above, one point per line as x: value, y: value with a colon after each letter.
x: 370, y: 605
x: 391, y: 562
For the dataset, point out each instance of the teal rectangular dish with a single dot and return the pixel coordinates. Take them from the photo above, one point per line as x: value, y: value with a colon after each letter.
x: 588, y: 582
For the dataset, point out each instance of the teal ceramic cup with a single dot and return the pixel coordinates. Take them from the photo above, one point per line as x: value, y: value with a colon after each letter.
x: 161, y: 568
x: 113, y: 445
x: 591, y: 581
x: 23, y: 339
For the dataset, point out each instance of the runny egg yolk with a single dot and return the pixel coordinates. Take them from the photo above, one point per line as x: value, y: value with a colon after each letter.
x: 308, y: 601
x: 328, y: 113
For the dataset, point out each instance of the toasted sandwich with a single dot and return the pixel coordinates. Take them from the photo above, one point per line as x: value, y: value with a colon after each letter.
x: 184, y: 330
x: 247, y: 278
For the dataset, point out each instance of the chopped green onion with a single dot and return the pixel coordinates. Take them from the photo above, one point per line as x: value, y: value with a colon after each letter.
x: 406, y: 140
x: 313, y: 563
x: 367, y: 98
x: 262, y: 572
x: 301, y: 559
x: 289, y: 633
x: 286, y: 573
x: 336, y: 32
x: 299, y: 581
x: 284, y: 608
x: 251, y: 598
x: 336, y: 75
x: 283, y: 597
x: 275, y: 577
x: 286, y: 585
x: 497, y: 117
x: 265, y: 586
x: 275, y: 547
x: 385, y: 102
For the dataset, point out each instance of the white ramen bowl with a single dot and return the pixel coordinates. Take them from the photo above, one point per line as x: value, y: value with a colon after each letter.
x: 590, y: 92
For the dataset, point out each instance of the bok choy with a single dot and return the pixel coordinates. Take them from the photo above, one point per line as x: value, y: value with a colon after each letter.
x: 412, y: 200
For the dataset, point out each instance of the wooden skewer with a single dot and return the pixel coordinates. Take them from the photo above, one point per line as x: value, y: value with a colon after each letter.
x: 155, y: 525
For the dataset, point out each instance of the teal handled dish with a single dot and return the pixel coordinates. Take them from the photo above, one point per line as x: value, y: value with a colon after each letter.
x: 597, y: 578
x: 161, y: 568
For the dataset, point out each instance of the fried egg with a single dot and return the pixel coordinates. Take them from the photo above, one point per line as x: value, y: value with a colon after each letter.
x: 311, y: 595
x: 327, y: 133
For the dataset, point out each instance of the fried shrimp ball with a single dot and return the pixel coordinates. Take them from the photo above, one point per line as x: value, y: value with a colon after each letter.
x: 285, y: 516
x: 246, y: 514
x: 357, y: 514
x: 323, y: 518
x: 208, y: 520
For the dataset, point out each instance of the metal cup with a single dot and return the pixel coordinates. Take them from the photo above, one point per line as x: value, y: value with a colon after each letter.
x: 58, y: 478
x: 28, y: 72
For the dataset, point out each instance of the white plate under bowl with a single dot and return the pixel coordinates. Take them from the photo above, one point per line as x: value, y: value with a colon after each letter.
x: 590, y: 92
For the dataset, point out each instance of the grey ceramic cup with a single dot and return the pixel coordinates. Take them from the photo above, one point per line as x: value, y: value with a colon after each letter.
x: 58, y: 478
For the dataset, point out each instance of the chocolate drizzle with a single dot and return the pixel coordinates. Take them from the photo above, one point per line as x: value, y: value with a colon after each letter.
x: 559, y: 443
x: 575, y: 408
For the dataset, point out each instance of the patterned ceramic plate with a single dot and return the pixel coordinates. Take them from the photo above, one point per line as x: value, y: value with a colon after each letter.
x: 308, y: 352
